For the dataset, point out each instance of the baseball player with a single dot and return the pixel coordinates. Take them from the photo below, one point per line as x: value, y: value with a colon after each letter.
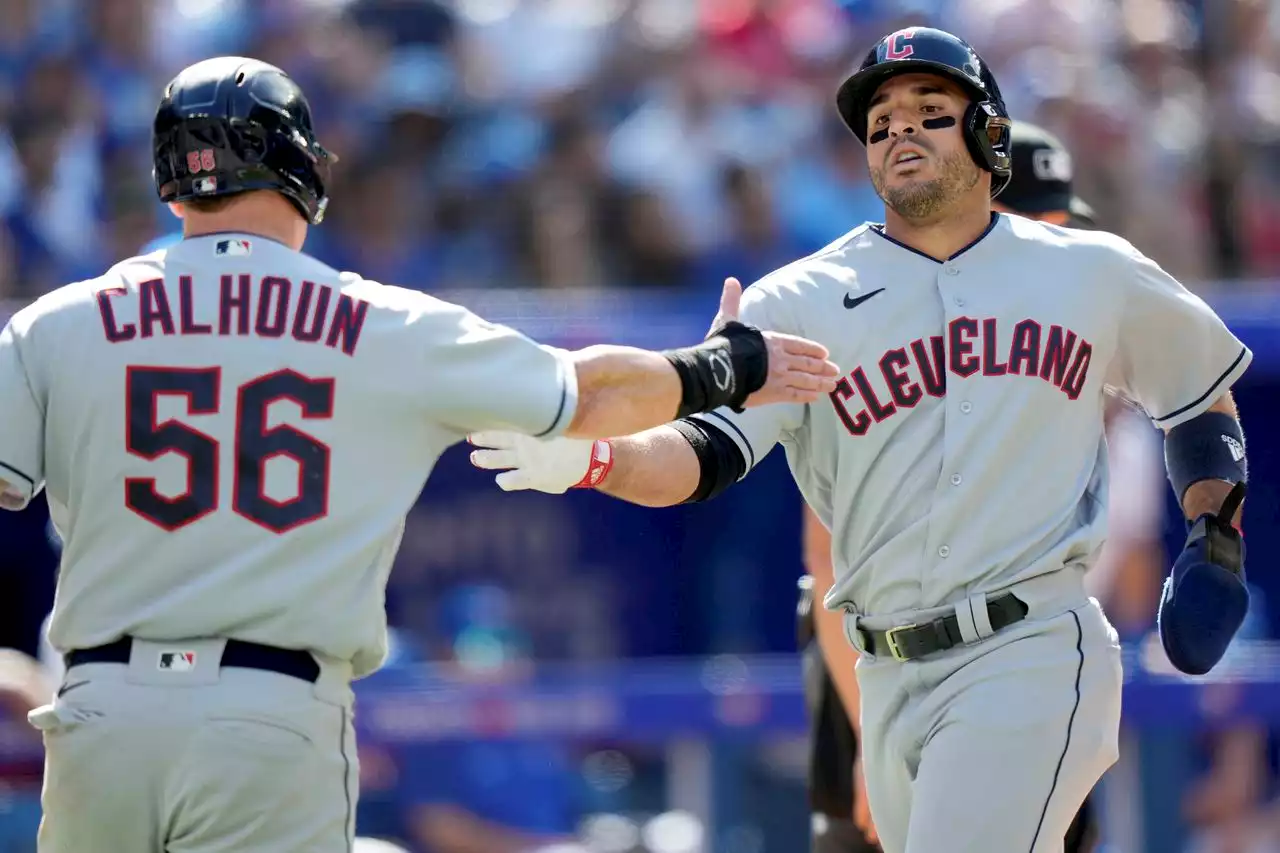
x: 1040, y: 187
x: 230, y: 434
x: 960, y: 462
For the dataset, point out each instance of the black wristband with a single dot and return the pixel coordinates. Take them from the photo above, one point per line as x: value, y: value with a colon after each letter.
x: 725, y: 369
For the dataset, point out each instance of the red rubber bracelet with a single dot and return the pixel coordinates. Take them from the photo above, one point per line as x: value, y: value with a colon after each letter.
x: 601, y: 465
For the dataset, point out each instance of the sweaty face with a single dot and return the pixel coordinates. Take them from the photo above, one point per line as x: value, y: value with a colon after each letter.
x: 918, y: 171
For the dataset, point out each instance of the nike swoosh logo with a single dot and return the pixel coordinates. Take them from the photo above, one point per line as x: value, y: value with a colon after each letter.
x: 67, y: 688
x: 853, y: 302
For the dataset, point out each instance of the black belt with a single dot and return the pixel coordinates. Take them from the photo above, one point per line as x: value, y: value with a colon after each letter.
x: 908, y: 642
x: 238, y: 653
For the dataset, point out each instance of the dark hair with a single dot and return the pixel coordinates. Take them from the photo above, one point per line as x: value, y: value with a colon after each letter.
x: 216, y: 204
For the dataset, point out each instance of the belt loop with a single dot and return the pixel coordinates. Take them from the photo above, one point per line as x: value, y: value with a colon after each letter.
x: 967, y: 620
x: 981, y: 615
x: 852, y: 633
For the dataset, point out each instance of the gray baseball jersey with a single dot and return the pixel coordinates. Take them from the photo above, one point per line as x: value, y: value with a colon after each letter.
x: 230, y: 434
x: 963, y: 451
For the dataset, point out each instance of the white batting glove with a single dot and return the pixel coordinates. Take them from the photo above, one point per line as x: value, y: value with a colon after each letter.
x: 553, y: 466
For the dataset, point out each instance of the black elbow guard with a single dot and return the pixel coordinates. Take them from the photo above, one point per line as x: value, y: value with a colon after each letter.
x: 719, y: 459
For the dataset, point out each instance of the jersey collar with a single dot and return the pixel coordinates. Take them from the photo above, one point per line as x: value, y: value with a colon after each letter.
x: 878, y: 228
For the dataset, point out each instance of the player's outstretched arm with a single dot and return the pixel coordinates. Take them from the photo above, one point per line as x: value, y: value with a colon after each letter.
x: 685, y: 459
x: 622, y: 390
x: 654, y: 468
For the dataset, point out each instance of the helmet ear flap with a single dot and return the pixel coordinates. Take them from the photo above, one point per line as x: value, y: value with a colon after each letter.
x: 987, y: 135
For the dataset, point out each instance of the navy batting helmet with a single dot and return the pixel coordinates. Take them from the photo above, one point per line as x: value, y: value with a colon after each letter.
x: 986, y: 122
x: 229, y: 125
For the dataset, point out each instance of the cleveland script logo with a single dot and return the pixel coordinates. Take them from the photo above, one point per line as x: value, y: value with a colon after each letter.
x: 902, y: 377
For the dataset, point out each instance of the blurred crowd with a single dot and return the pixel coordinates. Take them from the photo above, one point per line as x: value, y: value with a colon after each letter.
x: 626, y: 144
x: 629, y: 143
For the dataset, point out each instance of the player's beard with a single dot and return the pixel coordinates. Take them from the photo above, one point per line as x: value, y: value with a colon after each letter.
x: 924, y: 200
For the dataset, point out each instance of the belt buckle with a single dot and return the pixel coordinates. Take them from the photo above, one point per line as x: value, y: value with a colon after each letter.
x: 891, y: 639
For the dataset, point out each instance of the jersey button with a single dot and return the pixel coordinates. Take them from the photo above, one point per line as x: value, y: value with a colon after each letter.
x: 944, y: 551
x: 959, y: 302
x: 952, y: 271
x: 966, y: 407
x: 956, y: 479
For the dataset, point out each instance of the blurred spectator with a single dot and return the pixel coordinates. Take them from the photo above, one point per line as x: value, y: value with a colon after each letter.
x: 563, y: 209
x: 498, y: 795
x: 652, y: 250
x: 828, y: 193
x: 660, y: 144
x: 399, y: 23
x: 51, y: 223
x: 442, y: 112
x: 1226, y: 805
x: 23, y: 688
x: 382, y: 227
x: 757, y: 244
x: 674, y: 145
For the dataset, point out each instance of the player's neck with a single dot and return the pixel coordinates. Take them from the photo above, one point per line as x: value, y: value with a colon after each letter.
x: 943, y: 237
x: 256, y: 216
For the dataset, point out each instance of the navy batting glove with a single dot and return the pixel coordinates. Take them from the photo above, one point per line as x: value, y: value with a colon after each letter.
x: 1205, y: 598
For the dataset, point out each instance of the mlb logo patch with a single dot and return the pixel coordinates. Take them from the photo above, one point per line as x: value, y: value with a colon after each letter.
x: 233, y: 248
x: 205, y: 185
x: 176, y: 661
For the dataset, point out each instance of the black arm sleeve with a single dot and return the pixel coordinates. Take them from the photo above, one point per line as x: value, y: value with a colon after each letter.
x: 719, y: 459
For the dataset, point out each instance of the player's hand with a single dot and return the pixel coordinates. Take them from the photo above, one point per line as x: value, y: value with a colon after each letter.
x: 799, y: 371
x: 862, y: 808
x: 553, y: 466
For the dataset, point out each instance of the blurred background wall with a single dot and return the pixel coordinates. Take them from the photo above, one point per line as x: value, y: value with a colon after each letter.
x: 590, y: 170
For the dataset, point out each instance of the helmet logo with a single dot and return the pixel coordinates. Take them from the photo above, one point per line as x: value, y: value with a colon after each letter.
x: 897, y: 46
x: 1052, y: 165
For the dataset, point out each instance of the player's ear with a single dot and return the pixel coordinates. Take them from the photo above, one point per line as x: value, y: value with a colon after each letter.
x: 176, y: 208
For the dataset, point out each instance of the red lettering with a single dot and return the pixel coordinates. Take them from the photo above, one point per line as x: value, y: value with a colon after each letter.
x: 991, y: 365
x: 905, y: 393
x: 1079, y: 372
x: 856, y: 425
x: 115, y: 333
x: 237, y: 302
x: 153, y: 308
x: 348, y: 320
x: 897, y: 45
x: 300, y: 330
x: 1057, y: 354
x: 878, y: 410
x: 187, y: 309
x: 1024, y: 352
x: 961, y: 359
x: 273, y: 292
x: 933, y: 371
